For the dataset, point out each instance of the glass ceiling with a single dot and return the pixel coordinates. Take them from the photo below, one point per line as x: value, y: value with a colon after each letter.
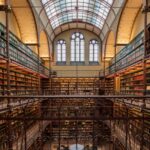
x: 63, y: 11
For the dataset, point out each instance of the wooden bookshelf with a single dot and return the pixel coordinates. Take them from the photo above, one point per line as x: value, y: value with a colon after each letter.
x: 132, y: 81
x: 148, y: 41
x: 18, y: 126
x: 129, y: 67
x: 106, y: 85
x: 20, y: 53
x: 129, y: 55
x: 46, y: 86
x: 135, y: 127
x: 109, y: 85
x: 66, y: 86
x: 148, y: 77
x: 21, y: 82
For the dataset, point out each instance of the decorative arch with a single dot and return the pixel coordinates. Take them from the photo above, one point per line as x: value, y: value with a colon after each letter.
x: 127, y: 20
x: 26, y: 21
x: 75, y: 25
x: 13, y: 24
x: 44, y: 46
x: 16, y: 29
x: 110, y: 46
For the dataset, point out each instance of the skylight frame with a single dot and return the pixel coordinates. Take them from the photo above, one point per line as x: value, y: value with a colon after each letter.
x: 94, y: 12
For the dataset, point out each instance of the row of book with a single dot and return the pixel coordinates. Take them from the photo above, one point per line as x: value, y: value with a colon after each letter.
x: 20, y: 53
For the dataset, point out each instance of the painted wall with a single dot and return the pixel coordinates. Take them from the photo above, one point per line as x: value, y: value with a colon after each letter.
x: 15, y: 28
x: 42, y: 26
x: 80, y: 70
x: 139, y: 24
x: 13, y: 25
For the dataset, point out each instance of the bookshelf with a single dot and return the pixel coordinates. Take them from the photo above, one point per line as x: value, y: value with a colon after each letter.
x: 46, y: 86
x: 20, y: 53
x: 109, y: 85
x: 25, y: 69
x: 66, y: 86
x: 21, y: 82
x: 148, y: 77
x: 134, y: 126
x: 148, y: 41
x: 129, y: 67
x: 129, y: 55
x: 77, y: 107
x: 106, y: 85
x: 18, y: 126
x: 132, y: 81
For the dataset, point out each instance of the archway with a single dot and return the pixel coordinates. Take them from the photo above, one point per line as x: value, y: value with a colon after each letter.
x: 127, y: 20
x: 109, y: 48
x: 26, y: 21
x: 44, y: 48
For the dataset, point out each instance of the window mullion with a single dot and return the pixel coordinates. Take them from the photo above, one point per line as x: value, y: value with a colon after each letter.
x: 61, y: 53
x: 79, y: 50
x: 75, y: 50
x: 93, y: 52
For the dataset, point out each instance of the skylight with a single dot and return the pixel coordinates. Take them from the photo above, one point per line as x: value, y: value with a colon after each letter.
x: 63, y: 11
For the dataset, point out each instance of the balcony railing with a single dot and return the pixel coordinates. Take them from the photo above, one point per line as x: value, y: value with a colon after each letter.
x: 129, y: 55
x: 20, y: 53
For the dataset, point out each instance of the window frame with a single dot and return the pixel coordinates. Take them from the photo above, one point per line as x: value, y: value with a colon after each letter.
x: 93, y: 12
x: 61, y: 43
x: 80, y: 56
x: 93, y: 43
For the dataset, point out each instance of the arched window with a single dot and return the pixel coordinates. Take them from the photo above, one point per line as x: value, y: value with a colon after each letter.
x: 93, y: 51
x: 61, y: 51
x: 77, y: 47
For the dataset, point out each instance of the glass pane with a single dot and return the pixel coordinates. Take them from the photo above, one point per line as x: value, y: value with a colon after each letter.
x: 58, y: 58
x: 61, y: 51
x: 64, y: 56
x: 63, y: 46
x: 77, y: 59
x: 94, y: 50
x: 96, y: 46
x: 82, y: 57
x: 77, y: 47
x: 91, y: 57
x: 58, y: 46
x: 95, y: 58
x: 63, y: 11
x: 73, y: 36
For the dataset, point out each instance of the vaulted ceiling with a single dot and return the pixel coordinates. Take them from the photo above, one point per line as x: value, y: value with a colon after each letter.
x: 127, y: 20
x: 93, y: 12
x: 26, y: 20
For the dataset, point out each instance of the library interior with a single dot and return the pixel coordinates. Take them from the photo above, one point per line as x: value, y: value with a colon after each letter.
x: 74, y: 74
